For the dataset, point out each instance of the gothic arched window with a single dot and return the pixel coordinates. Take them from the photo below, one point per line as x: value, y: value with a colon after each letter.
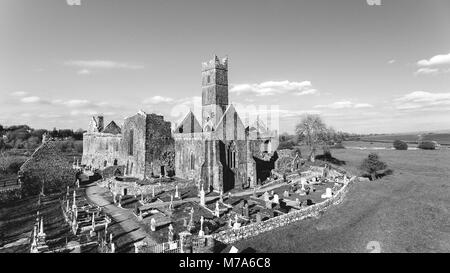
x: 130, y: 142
x: 231, y: 154
x: 192, y: 161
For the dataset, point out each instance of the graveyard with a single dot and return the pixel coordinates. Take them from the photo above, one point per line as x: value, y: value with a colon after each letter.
x: 403, y: 212
x: 165, y: 212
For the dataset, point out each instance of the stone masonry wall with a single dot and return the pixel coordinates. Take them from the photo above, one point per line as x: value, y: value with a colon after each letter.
x: 245, y: 232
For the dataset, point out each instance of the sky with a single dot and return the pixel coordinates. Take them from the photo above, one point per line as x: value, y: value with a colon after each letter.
x: 364, y: 68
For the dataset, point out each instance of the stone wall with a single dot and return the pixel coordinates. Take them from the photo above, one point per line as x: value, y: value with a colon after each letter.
x: 133, y: 145
x: 189, y: 145
x: 101, y: 150
x: 159, y: 147
x: 251, y: 230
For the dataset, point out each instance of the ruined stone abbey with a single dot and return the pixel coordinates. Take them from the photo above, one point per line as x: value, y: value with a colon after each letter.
x: 220, y: 151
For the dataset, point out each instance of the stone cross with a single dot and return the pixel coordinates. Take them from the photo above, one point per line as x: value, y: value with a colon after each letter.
x: 177, y: 194
x: 202, y: 196
x: 201, y: 233
x: 171, y: 234
x: 171, y: 203
x: 217, y: 210
x: 153, y: 224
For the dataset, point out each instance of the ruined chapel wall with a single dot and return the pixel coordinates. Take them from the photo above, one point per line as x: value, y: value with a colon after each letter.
x: 185, y: 145
x: 134, y: 161
x: 100, y: 147
x: 159, y: 146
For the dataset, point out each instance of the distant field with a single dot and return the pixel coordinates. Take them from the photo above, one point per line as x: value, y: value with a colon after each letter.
x: 443, y: 139
x: 408, y: 211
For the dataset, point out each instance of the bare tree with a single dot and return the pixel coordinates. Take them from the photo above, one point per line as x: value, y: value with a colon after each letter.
x: 313, y: 131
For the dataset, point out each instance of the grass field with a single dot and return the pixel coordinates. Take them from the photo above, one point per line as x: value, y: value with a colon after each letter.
x: 408, y: 211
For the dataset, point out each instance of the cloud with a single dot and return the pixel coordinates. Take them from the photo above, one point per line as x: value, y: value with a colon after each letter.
x: 391, y: 61
x: 157, y: 100
x: 269, y: 88
x: 434, y: 65
x: 182, y: 107
x: 32, y: 99
x: 344, y: 104
x: 420, y: 100
x: 426, y: 71
x: 84, y: 72
x: 87, y: 66
x: 435, y: 60
x: 19, y: 94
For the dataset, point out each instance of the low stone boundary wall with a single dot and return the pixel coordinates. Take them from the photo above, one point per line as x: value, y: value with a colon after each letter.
x: 251, y: 230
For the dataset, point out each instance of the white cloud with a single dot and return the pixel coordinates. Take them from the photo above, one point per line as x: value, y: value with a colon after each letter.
x: 19, y: 93
x: 77, y: 103
x: 182, y: 107
x: 158, y: 99
x: 391, y: 61
x: 435, y: 60
x: 434, y: 65
x: 269, y: 88
x: 422, y: 100
x: 32, y: 99
x: 426, y: 71
x: 344, y: 104
x: 102, y: 64
x: 84, y: 112
x: 84, y: 72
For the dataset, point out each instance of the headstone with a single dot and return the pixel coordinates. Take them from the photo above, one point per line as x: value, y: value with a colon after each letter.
x: 171, y: 203
x: 221, y: 196
x: 328, y: 193
x: 297, y: 202
x: 258, y: 217
x: 153, y: 224
x: 276, y: 199
x: 184, y: 222
x: 202, y: 196
x: 286, y: 194
x: 217, y: 210
x: 230, y: 223
x: 266, y: 197
x: 177, y: 194
x: 245, y: 211
x: 171, y: 234
x: 268, y: 204
x: 153, y: 191
x: 254, y: 192
x: 201, y: 233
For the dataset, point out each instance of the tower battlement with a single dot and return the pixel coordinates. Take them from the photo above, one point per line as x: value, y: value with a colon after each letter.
x: 215, y: 63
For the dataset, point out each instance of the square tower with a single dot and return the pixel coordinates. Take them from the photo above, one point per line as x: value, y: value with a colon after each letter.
x: 214, y: 91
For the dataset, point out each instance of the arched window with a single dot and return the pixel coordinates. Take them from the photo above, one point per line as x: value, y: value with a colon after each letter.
x: 231, y: 155
x: 192, y: 161
x: 130, y: 142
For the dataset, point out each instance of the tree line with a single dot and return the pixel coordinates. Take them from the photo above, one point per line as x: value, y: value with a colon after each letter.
x: 25, y: 137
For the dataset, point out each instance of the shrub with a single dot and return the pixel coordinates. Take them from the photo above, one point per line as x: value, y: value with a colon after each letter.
x: 11, y: 164
x: 372, y: 164
x: 400, y: 145
x: 427, y: 145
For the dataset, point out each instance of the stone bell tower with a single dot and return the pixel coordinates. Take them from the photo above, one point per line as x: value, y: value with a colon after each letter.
x: 214, y: 91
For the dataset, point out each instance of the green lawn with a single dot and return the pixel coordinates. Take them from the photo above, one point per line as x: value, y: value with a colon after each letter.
x: 408, y: 211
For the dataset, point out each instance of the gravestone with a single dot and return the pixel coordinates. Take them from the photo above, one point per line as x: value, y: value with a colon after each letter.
x: 286, y: 194
x: 276, y: 199
x: 153, y: 224
x: 258, y: 217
